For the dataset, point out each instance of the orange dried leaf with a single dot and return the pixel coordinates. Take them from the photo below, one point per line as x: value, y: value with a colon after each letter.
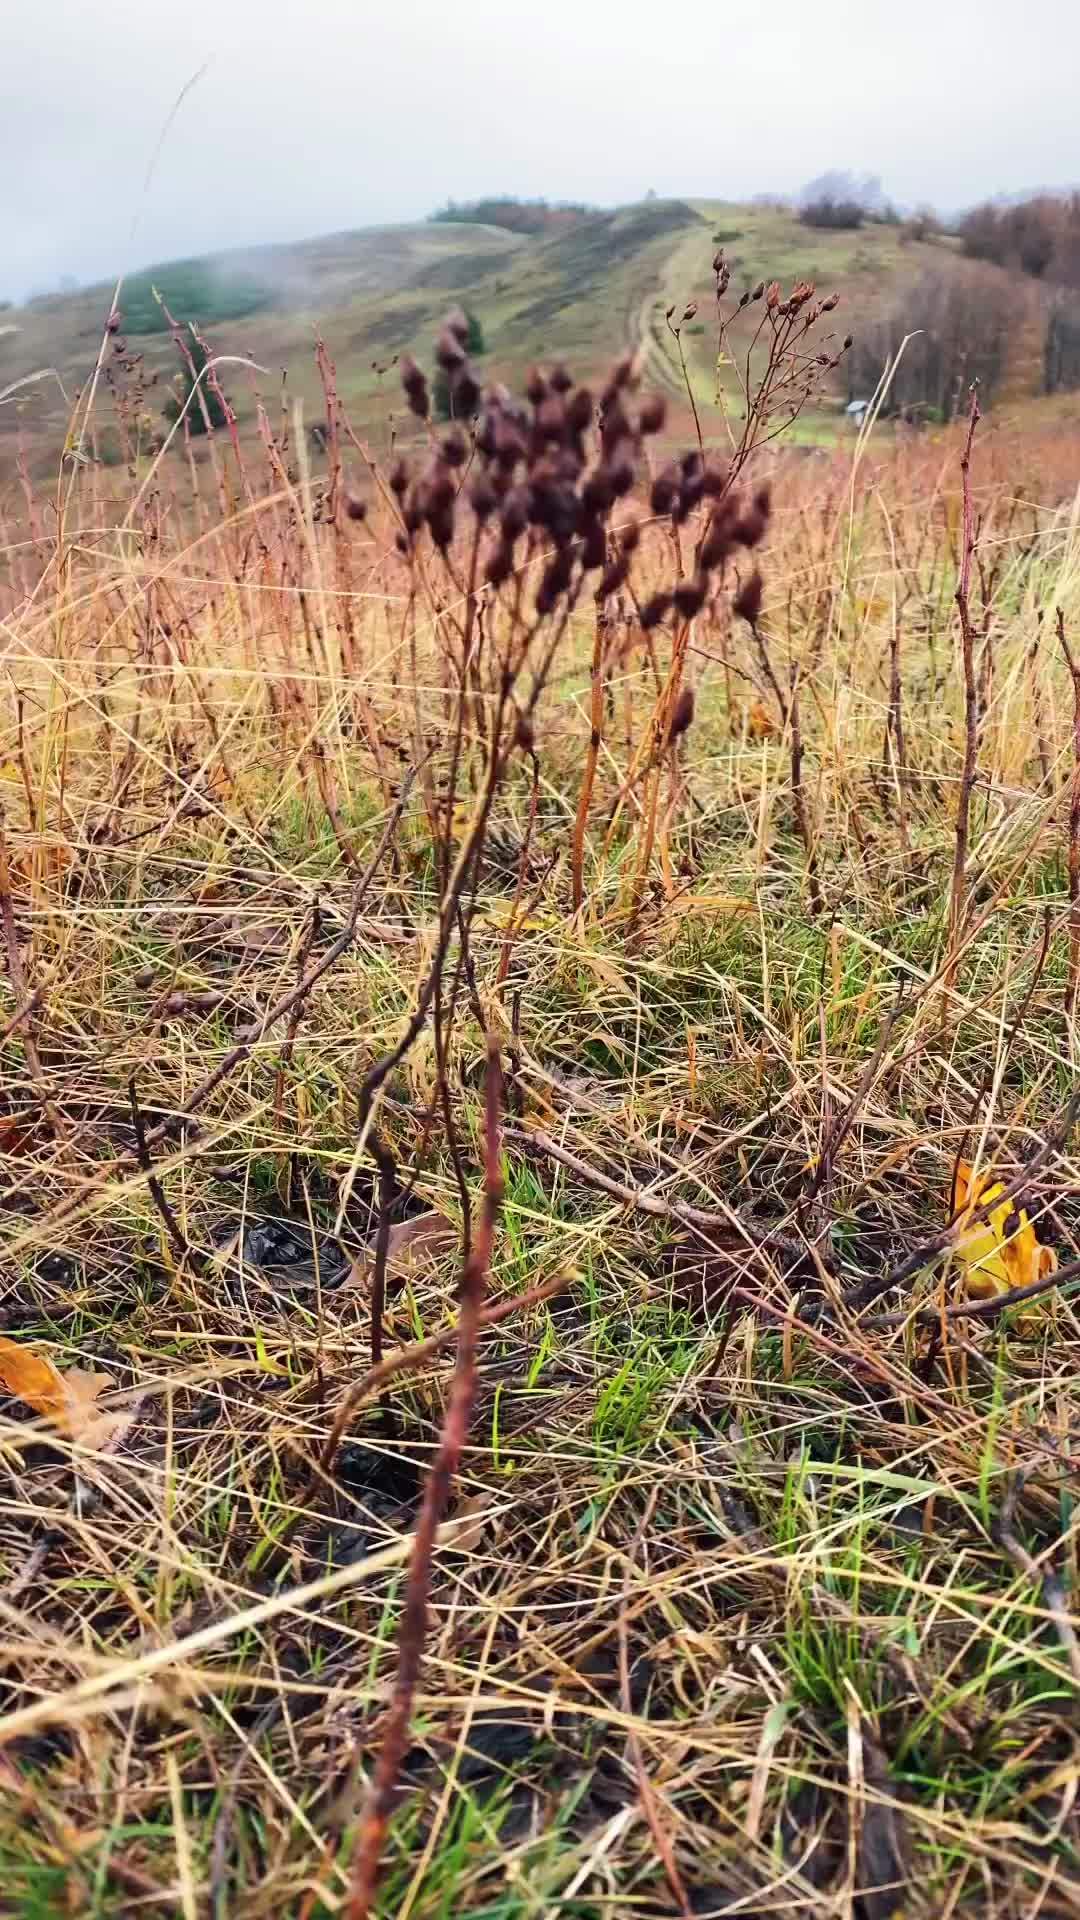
x: 760, y: 723
x: 30, y: 1377
x: 69, y: 1400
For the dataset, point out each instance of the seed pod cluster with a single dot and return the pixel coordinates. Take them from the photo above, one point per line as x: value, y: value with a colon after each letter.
x: 544, y: 473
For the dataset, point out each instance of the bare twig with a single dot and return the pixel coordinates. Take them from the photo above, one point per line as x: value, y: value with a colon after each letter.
x: 980, y: 1309
x: 1074, y: 823
x: 22, y: 1013
x: 176, y: 1235
x: 958, y: 892
x: 413, y: 1629
x: 18, y: 981
x: 844, y: 1124
x: 645, y: 1786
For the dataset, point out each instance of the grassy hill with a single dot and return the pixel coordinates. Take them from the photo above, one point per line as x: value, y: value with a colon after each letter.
x: 375, y: 292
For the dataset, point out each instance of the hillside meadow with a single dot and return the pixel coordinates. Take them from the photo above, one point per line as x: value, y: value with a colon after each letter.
x: 537, y: 1118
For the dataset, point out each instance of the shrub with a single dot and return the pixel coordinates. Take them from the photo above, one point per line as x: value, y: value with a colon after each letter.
x: 192, y: 290
x: 831, y: 213
x: 211, y: 408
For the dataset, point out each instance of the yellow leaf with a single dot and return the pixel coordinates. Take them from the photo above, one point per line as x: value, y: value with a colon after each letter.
x: 1002, y: 1252
x: 712, y: 903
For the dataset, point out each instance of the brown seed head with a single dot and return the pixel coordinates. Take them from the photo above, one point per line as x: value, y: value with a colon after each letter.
x: 655, y: 610
x: 593, y: 545
x: 500, y: 564
x: 653, y: 414
x: 465, y: 393
x: 579, y: 410
x: 613, y: 576
x: 355, y: 508
x: 690, y: 595
x: 449, y: 352
x: 482, y: 497
x: 665, y: 488
x: 682, y: 714
x: 747, y: 602
x: 457, y: 323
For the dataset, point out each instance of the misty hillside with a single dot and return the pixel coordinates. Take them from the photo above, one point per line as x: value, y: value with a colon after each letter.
x: 574, y: 292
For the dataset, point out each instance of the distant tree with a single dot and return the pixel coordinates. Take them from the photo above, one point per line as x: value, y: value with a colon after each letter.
x: 842, y: 192
x: 517, y: 216
x: 923, y: 224
x: 832, y: 213
x: 1039, y: 237
x: 442, y: 399
x: 1061, y: 344
x: 185, y: 387
x: 956, y: 323
x: 196, y: 290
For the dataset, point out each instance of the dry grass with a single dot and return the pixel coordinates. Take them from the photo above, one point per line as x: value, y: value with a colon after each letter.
x: 743, y: 1604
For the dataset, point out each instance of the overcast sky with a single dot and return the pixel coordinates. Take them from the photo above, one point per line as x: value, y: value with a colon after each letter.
x: 343, y: 113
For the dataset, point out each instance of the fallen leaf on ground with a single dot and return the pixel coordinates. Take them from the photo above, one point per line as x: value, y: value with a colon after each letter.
x: 42, y: 862
x: 470, y: 1521
x: 711, y: 903
x: 16, y: 1136
x: 1002, y: 1252
x: 69, y: 1400
x: 412, y: 1246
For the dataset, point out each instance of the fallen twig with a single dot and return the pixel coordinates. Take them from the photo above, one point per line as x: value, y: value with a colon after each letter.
x: 1048, y: 1582
x: 645, y: 1786
x: 958, y: 891
x: 928, y: 1250
x: 644, y: 1201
